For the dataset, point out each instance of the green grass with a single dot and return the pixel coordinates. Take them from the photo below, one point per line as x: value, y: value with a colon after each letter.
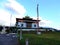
x: 47, y: 38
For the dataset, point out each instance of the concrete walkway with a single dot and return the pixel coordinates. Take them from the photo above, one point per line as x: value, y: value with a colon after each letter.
x: 8, y: 39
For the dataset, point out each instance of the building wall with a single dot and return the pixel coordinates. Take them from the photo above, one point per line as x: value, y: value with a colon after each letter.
x: 20, y: 23
x: 33, y: 25
x: 42, y: 29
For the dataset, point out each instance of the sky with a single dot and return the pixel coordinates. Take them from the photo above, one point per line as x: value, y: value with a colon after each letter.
x: 49, y: 11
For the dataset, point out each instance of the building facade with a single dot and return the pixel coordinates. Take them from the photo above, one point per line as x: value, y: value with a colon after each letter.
x: 26, y: 22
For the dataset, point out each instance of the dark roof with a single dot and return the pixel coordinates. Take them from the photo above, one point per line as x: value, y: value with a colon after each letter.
x: 26, y: 19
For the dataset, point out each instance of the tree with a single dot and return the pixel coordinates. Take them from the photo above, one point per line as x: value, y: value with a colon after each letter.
x: 1, y: 28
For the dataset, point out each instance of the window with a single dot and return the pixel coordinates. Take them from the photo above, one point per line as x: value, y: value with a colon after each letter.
x: 21, y: 25
x: 34, y: 25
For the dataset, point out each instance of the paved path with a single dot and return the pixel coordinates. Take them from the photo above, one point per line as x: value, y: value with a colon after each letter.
x: 8, y: 39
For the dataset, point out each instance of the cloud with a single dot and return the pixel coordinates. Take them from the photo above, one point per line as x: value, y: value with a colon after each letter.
x: 17, y: 7
x: 4, y: 17
x: 46, y: 23
x: 9, y: 10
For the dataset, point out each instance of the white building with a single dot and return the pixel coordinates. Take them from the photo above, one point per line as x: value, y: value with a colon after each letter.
x: 27, y: 23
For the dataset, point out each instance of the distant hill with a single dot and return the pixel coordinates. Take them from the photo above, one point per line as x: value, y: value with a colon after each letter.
x: 49, y: 28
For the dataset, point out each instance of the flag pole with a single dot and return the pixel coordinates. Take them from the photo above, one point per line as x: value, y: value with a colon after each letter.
x: 37, y: 18
x: 38, y: 30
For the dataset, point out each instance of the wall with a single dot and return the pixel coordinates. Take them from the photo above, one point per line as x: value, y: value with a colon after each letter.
x: 34, y: 24
x: 24, y: 24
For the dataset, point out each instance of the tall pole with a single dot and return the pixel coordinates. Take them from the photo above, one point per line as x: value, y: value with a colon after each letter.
x: 37, y: 12
x: 37, y: 18
x: 10, y: 22
x: 20, y: 33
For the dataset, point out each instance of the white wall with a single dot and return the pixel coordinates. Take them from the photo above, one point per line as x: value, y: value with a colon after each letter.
x: 42, y: 29
x: 33, y: 25
x: 24, y: 24
x: 29, y: 29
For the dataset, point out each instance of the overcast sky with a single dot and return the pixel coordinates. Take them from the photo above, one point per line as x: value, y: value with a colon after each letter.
x: 49, y: 11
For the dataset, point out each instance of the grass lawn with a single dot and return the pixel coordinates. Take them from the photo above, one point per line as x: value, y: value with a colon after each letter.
x: 46, y: 38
